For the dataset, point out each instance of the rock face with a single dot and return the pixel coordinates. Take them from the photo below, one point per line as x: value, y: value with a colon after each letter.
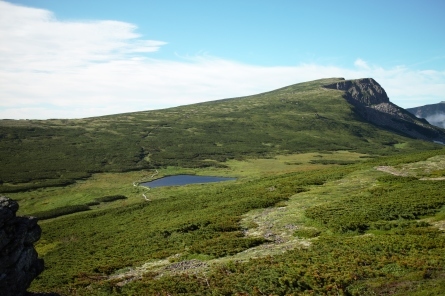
x: 19, y: 263
x: 371, y: 102
x: 362, y: 91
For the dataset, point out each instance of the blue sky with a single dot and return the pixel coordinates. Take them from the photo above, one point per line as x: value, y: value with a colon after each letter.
x: 71, y: 59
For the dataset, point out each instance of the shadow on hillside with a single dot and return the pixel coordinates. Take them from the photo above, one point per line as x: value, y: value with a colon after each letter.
x: 41, y: 294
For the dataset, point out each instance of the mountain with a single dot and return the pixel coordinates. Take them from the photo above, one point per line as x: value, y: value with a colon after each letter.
x: 337, y: 192
x: 323, y: 115
x: 434, y: 113
x: 372, y: 103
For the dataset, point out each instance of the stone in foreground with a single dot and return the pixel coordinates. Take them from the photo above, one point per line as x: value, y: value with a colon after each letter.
x: 19, y: 262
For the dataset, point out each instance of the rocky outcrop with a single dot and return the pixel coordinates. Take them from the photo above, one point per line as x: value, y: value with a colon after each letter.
x: 371, y: 102
x: 362, y: 91
x: 19, y: 263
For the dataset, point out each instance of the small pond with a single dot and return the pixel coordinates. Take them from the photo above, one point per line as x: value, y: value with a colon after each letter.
x: 184, y: 180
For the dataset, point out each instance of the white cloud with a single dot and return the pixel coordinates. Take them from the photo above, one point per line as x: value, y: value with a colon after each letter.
x: 34, y: 40
x: 56, y: 69
x: 361, y: 64
x: 437, y: 119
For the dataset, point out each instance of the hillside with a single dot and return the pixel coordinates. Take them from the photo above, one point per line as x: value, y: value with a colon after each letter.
x: 337, y: 192
x: 299, y: 118
x: 374, y: 227
x: 434, y: 113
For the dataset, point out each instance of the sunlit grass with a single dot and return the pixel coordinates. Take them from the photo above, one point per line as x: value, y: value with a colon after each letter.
x: 305, y: 213
x: 105, y: 184
x: 301, y: 118
x: 148, y: 238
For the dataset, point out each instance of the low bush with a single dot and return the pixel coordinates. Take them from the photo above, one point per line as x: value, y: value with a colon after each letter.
x: 110, y: 198
x: 332, y: 161
x: 395, y: 198
x: 93, y: 203
x: 57, y: 212
x: 307, y: 233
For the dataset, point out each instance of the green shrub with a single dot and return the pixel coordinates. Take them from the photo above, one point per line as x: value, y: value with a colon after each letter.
x: 57, y: 212
x: 395, y: 198
x: 110, y: 198
x: 332, y: 161
x: 307, y: 233
x: 92, y: 203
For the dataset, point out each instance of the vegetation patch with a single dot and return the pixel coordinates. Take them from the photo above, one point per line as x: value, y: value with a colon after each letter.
x: 57, y: 212
x: 307, y: 232
x: 394, y: 198
x: 332, y: 161
x: 333, y: 265
x: 297, y: 119
x: 216, y: 223
x: 110, y: 198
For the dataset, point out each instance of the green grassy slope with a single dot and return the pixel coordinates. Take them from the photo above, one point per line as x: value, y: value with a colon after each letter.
x: 340, y: 230
x: 299, y: 118
x: 325, y: 202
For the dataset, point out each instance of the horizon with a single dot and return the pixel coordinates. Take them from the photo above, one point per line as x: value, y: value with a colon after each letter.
x: 80, y: 59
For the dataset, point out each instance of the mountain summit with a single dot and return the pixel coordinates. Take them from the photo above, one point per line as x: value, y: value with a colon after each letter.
x: 364, y: 91
x: 372, y: 103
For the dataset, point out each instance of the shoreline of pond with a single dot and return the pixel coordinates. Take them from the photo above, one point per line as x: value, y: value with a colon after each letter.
x: 181, y: 180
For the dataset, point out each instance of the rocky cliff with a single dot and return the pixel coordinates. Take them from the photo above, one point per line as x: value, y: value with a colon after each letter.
x: 364, y: 91
x: 371, y: 102
x: 19, y: 263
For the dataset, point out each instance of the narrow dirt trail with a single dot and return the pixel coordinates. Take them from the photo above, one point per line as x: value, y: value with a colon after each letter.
x: 391, y: 170
x: 136, y: 184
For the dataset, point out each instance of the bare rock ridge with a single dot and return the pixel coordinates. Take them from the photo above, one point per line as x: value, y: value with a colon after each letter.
x: 371, y: 102
x: 19, y: 263
x: 362, y: 91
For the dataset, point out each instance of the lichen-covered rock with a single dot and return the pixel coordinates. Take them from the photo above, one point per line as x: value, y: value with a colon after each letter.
x: 19, y: 262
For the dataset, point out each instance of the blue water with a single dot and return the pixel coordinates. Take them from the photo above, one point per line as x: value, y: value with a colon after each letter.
x: 184, y: 180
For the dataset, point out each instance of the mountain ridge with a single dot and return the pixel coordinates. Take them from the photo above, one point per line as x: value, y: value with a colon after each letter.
x: 373, y: 104
x: 433, y: 113
x: 314, y: 210
x: 299, y: 118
